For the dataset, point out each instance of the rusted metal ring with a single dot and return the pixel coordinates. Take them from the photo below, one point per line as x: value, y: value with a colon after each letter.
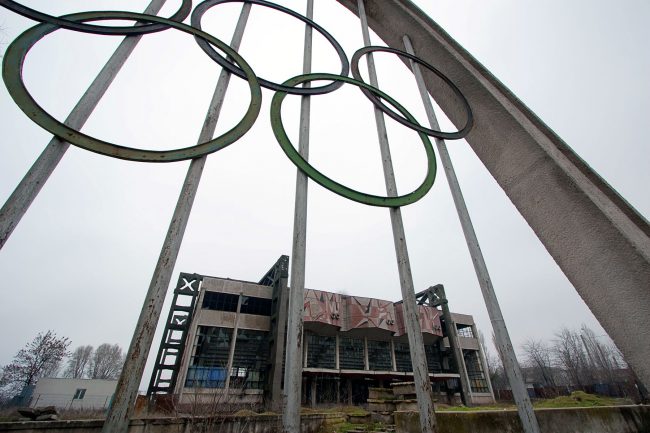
x: 179, y: 16
x: 332, y: 185
x: 12, y: 74
x: 203, y: 7
x: 406, y: 122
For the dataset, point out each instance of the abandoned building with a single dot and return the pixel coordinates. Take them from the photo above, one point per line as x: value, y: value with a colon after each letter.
x: 224, y: 343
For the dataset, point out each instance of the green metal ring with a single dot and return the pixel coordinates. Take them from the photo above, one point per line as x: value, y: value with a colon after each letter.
x: 12, y: 67
x: 332, y: 185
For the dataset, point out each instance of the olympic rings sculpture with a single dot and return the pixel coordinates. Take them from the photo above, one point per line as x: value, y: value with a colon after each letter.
x: 12, y: 74
x: 232, y: 61
x: 180, y: 15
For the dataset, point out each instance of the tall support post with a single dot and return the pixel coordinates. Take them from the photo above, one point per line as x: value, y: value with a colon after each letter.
x: 597, y: 239
x: 293, y: 365
x: 117, y: 419
x: 454, y: 343
x: 502, y: 338
x: 411, y: 316
x: 25, y: 193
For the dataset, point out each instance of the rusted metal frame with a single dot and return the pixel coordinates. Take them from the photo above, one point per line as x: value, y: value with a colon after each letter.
x: 117, y: 419
x: 438, y: 297
x: 504, y: 344
x: 411, y: 316
x: 293, y: 366
x: 26, y: 191
x: 183, y: 288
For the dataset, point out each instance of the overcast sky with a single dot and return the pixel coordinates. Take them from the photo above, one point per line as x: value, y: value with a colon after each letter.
x: 81, y: 260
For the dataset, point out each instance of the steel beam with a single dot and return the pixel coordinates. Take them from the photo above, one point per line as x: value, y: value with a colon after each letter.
x: 600, y: 242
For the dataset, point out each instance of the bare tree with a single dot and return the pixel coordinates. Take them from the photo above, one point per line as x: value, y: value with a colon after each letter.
x: 569, y: 350
x: 537, y: 355
x: 79, y: 362
x: 106, y: 362
x: 39, y: 358
x: 495, y: 368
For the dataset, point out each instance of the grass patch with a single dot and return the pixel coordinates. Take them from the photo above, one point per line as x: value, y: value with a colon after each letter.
x: 348, y: 410
x: 445, y: 408
x: 345, y: 427
x: 576, y: 399
x: 580, y: 399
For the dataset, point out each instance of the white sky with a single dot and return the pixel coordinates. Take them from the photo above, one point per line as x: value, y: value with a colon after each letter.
x: 81, y: 259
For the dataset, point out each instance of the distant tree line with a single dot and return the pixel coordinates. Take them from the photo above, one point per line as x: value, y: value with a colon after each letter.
x: 43, y: 357
x: 572, y: 360
x: 105, y: 362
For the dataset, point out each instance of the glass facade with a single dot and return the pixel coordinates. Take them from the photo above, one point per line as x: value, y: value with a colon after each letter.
x: 220, y: 301
x: 228, y: 302
x: 403, y: 357
x: 249, y: 360
x: 475, y: 371
x: 321, y: 351
x: 379, y: 356
x: 254, y: 305
x: 466, y: 332
x: 208, y: 365
x: 351, y: 353
x: 434, y: 357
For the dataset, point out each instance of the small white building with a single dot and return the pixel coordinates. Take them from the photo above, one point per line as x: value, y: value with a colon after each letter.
x: 73, y: 393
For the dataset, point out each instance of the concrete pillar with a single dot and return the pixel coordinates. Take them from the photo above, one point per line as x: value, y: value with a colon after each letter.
x: 337, y: 351
x: 366, y: 364
x: 305, y: 351
x: 338, y: 391
x: 349, y: 384
x: 233, y: 343
x: 454, y: 344
x: 312, y: 399
x: 278, y: 353
x: 599, y: 241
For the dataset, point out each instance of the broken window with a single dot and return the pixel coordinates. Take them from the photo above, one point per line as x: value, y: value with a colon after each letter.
x: 220, y: 301
x: 249, y: 360
x: 379, y: 357
x: 351, y: 354
x: 434, y: 357
x: 403, y: 357
x: 255, y: 305
x: 208, y: 365
x: 465, y: 332
x: 321, y: 351
x: 475, y: 371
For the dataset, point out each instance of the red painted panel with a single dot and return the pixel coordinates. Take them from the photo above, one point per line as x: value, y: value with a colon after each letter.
x: 322, y: 307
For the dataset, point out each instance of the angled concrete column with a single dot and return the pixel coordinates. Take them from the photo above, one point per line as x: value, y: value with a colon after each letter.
x: 599, y: 241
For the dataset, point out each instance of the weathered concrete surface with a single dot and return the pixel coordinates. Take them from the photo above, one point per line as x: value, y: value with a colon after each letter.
x: 226, y: 424
x: 599, y: 241
x: 619, y: 419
